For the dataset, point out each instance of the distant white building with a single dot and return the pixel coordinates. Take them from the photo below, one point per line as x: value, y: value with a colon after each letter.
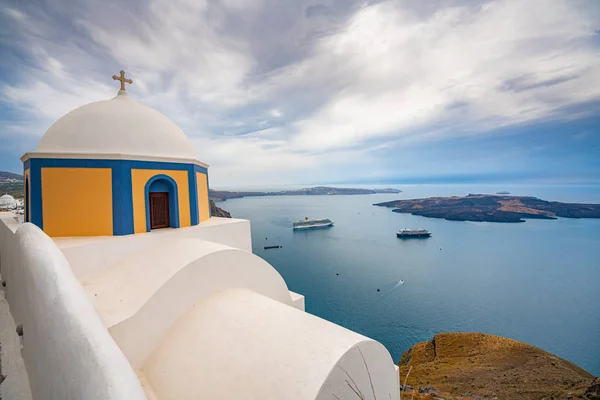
x: 124, y: 287
x: 7, y: 202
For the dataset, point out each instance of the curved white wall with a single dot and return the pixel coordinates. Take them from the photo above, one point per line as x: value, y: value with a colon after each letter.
x: 367, y: 367
x: 140, y: 300
x: 238, y: 344
x: 9, y: 259
x: 89, y: 255
x: 67, y: 351
x: 200, y: 319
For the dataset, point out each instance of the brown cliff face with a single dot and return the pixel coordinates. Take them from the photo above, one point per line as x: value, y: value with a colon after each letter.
x: 218, y: 212
x: 476, y: 365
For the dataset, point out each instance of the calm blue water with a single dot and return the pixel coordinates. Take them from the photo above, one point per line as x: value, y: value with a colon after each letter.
x: 538, y: 281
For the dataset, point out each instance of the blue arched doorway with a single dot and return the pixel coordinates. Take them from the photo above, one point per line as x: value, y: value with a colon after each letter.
x: 162, y: 203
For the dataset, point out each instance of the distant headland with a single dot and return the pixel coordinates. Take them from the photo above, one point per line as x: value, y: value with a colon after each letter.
x: 492, y: 208
x: 314, y: 191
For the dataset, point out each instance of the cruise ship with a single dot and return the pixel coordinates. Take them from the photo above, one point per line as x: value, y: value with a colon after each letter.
x: 413, y: 233
x: 312, y: 223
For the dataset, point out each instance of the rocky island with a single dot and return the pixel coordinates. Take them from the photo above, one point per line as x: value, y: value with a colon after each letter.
x: 492, y: 208
x: 314, y: 191
x: 477, y: 366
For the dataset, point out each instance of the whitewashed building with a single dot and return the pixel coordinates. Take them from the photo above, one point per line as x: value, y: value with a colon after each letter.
x: 7, y: 202
x: 148, y: 297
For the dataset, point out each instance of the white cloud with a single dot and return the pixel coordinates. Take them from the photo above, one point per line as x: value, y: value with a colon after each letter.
x: 16, y: 14
x: 276, y: 113
x: 266, y: 89
x: 452, y: 67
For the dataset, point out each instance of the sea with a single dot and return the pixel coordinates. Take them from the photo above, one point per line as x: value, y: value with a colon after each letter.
x: 537, y: 281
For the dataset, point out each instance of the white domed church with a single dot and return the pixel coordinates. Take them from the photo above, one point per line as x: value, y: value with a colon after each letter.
x: 114, y: 167
x: 120, y: 285
x: 7, y: 202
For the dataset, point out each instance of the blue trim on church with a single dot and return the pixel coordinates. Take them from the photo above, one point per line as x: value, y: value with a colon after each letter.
x: 192, y: 183
x: 122, y: 200
x: 198, y: 168
x: 168, y: 184
x: 35, y: 193
x: 121, y: 187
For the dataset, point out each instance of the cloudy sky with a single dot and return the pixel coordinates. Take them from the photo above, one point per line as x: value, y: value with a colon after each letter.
x: 324, y: 91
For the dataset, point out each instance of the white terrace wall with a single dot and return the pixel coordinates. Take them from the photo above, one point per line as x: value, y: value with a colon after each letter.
x: 141, y: 299
x: 239, y: 344
x: 16, y: 384
x: 8, y: 257
x: 67, y: 351
x: 88, y: 256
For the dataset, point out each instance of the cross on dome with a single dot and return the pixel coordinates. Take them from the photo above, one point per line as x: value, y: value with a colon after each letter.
x: 122, y: 79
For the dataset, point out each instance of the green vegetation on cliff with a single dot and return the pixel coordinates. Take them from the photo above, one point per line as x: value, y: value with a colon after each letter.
x: 11, y: 184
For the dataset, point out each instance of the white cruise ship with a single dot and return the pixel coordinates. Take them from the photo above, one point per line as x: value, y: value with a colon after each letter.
x: 413, y: 233
x: 313, y: 223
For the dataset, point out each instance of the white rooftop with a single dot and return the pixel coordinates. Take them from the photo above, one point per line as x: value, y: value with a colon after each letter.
x: 7, y: 201
x: 119, y: 126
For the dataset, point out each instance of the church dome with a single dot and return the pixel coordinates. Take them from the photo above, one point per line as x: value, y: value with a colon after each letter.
x: 7, y: 201
x: 118, y: 126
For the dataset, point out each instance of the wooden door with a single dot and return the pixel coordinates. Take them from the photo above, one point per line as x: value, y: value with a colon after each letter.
x: 159, y: 210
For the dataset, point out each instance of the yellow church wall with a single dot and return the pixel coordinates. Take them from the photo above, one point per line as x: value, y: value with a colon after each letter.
x: 203, y: 206
x: 77, y: 201
x: 139, y: 178
x: 27, y: 201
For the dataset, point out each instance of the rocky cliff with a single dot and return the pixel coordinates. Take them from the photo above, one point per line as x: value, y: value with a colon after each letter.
x: 218, y: 212
x: 480, y: 366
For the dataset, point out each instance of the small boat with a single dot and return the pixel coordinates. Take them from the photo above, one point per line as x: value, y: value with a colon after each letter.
x: 398, y: 284
x: 412, y: 233
x: 272, y: 247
